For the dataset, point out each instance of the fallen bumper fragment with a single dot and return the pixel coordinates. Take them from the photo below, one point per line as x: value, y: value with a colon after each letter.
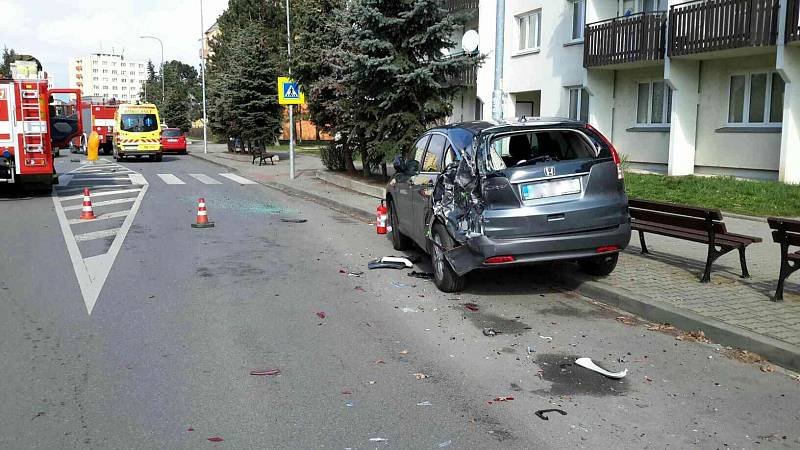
x: 385, y: 265
x: 541, y: 413
x: 589, y: 364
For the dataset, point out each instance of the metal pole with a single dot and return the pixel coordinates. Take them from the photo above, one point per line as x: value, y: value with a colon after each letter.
x: 203, y: 78
x: 163, y: 96
x: 499, y: 47
x: 291, y: 107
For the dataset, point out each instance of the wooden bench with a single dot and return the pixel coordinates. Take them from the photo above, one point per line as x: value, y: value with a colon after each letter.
x: 787, y: 233
x: 691, y: 224
x: 262, y: 156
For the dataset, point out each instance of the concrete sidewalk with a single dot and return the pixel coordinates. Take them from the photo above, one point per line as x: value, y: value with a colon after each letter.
x: 663, y: 286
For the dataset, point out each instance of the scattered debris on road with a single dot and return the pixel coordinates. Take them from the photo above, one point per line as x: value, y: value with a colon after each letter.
x: 321, y: 315
x: 215, y: 439
x: 767, y: 368
x: 287, y: 220
x: 549, y: 338
x: 500, y: 399
x: 445, y: 444
x: 541, y: 413
x: 472, y: 307
x: 627, y: 320
x: 589, y: 364
x: 265, y: 373
x: 397, y: 259
x: 490, y: 332
x: 420, y: 376
x: 742, y: 355
x: 404, y: 352
x: 385, y: 265
x: 409, y: 310
x: 351, y: 274
x: 693, y: 336
x: 421, y: 275
x: 378, y: 439
x: 425, y: 403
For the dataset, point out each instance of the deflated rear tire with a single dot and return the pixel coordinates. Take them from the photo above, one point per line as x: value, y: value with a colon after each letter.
x: 599, y: 265
x: 443, y: 276
x: 400, y: 241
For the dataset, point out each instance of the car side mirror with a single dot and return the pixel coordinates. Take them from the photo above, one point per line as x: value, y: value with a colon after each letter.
x: 399, y: 164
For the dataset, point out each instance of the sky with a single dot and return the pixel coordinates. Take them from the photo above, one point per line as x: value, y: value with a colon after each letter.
x: 56, y: 30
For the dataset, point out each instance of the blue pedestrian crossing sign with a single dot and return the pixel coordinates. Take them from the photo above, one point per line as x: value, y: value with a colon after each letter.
x: 289, y: 92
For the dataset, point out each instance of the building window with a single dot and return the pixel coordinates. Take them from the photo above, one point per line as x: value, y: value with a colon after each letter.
x: 578, y: 104
x: 94, y: 70
x: 578, y: 19
x: 528, y: 30
x: 755, y: 99
x: 654, y: 103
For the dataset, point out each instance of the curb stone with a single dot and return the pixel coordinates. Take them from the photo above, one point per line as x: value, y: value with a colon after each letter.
x: 776, y: 351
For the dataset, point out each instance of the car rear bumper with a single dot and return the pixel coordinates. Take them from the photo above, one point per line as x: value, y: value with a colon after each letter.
x: 537, y: 249
x: 174, y: 148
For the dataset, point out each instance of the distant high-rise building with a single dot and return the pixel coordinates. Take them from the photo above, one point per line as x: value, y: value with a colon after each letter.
x: 108, y: 76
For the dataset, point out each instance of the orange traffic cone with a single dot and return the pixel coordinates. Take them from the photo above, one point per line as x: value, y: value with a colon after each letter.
x: 202, y: 215
x: 87, y: 213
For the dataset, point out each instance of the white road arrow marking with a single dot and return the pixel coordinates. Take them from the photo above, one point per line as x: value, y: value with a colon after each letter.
x: 92, y: 272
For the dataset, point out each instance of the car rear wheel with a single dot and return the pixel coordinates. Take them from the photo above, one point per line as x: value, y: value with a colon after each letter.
x: 400, y: 241
x: 158, y: 157
x: 443, y: 276
x: 599, y: 265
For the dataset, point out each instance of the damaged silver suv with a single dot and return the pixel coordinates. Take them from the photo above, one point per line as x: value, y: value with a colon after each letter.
x: 485, y: 195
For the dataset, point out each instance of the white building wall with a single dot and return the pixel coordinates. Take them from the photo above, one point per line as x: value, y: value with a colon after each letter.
x: 646, y: 149
x: 538, y: 71
x: 742, y: 153
x: 109, y: 76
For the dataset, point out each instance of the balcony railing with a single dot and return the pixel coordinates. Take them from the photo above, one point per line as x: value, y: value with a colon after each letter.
x: 461, y: 5
x: 793, y: 21
x: 639, y: 37
x: 712, y: 25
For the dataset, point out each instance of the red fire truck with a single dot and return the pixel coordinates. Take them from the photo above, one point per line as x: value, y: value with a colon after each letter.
x: 30, y: 128
x: 103, y: 124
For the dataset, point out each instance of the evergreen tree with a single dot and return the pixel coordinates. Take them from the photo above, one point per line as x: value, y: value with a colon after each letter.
x: 247, y: 57
x: 9, y: 56
x: 395, y: 73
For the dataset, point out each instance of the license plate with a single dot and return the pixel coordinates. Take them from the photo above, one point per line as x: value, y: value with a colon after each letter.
x: 148, y: 146
x: 172, y: 140
x: 553, y: 188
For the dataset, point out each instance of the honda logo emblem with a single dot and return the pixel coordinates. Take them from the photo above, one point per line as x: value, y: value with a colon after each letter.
x: 549, y: 171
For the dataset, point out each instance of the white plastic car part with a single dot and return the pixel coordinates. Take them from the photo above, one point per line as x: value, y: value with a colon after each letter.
x: 589, y: 364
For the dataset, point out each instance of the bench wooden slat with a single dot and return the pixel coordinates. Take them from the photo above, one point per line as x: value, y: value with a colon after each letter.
x: 790, y: 238
x: 787, y: 224
x: 692, y: 211
x: 675, y: 220
x: 689, y: 235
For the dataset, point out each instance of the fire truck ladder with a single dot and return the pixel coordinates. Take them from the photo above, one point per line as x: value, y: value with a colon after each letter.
x: 33, y: 127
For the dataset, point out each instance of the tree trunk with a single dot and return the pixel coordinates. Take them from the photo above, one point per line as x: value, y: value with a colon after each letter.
x: 384, y: 172
x: 348, y: 161
x: 367, y: 170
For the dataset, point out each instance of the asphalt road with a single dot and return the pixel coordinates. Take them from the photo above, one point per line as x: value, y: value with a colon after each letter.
x: 184, y: 315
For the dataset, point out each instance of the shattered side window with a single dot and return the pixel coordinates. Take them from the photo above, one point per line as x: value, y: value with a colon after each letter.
x: 434, y: 154
x: 419, y: 149
x: 495, y: 155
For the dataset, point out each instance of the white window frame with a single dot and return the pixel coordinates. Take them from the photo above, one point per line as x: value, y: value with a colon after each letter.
x: 537, y: 14
x: 573, y: 3
x: 746, y: 107
x: 581, y: 90
x: 666, y: 108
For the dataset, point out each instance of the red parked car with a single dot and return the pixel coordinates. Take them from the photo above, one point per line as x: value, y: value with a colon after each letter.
x: 173, y: 140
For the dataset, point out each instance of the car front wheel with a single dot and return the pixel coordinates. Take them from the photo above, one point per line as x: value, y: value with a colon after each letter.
x: 443, y: 275
x: 600, y: 266
x: 400, y: 241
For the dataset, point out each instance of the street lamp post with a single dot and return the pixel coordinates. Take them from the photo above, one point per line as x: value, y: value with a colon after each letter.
x: 203, y: 78
x: 163, y: 96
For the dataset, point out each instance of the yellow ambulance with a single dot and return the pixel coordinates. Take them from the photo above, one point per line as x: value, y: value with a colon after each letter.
x: 137, y: 131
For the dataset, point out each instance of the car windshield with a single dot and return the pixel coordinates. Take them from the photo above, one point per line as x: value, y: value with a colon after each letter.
x: 171, y: 133
x: 139, y: 122
x: 533, y: 147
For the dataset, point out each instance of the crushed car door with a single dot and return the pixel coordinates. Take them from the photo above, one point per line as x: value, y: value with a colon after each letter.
x: 423, y: 184
x: 404, y: 184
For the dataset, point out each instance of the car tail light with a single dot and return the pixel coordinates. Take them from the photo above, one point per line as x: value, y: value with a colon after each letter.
x: 606, y: 249
x: 499, y: 259
x: 614, y: 154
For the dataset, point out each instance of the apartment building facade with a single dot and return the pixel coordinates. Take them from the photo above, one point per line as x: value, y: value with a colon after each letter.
x: 697, y: 87
x: 108, y: 76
